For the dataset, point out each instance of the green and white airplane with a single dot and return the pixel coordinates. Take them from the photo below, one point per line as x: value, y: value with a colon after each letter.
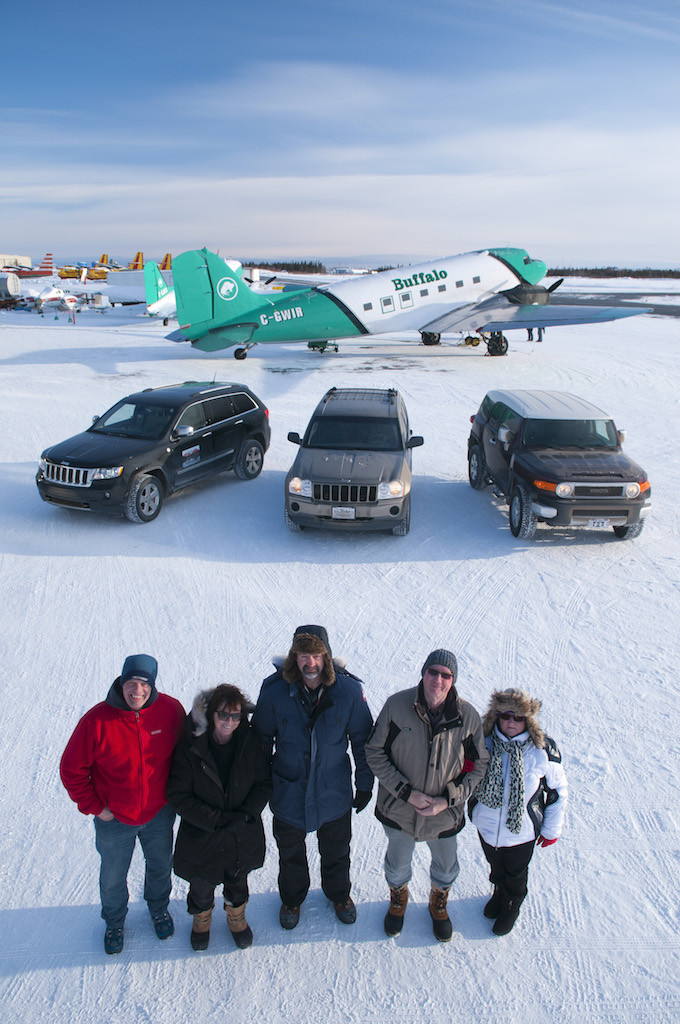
x: 479, y: 294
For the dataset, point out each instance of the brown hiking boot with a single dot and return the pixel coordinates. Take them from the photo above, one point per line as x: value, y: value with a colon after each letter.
x: 441, y: 925
x: 200, y: 933
x: 238, y: 926
x: 394, y: 918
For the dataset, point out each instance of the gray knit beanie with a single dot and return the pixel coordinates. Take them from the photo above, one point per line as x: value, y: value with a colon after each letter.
x: 441, y: 657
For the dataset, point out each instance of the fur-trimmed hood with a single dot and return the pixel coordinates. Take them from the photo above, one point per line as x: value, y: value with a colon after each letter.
x: 521, y: 703
x: 197, y: 721
x: 307, y: 643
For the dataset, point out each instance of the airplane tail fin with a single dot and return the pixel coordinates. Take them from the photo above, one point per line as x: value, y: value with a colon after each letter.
x: 166, y: 262
x: 210, y: 293
x: 104, y: 261
x: 155, y: 285
x: 137, y: 263
x: 47, y: 263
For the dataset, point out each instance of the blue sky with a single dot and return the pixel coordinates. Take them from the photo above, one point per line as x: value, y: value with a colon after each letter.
x: 299, y: 128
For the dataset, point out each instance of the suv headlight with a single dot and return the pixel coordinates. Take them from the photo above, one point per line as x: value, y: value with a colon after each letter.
x: 631, y: 490
x: 391, y: 489
x: 564, y: 490
x: 298, y: 486
x: 107, y: 473
x: 42, y: 464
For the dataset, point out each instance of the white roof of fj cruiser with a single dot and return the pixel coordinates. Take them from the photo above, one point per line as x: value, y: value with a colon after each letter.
x: 548, y: 405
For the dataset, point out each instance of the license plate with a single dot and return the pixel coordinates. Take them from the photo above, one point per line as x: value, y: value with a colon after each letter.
x: 341, y: 512
x: 594, y: 524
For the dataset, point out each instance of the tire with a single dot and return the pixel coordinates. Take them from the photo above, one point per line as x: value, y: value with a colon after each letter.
x: 476, y: 468
x: 523, y: 521
x: 145, y: 499
x: 629, y: 532
x: 292, y: 526
x: 240, y: 353
x: 430, y: 339
x: 402, y: 528
x: 250, y: 460
x: 497, y: 345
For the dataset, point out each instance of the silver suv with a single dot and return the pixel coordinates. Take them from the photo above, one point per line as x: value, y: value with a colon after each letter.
x: 353, y: 470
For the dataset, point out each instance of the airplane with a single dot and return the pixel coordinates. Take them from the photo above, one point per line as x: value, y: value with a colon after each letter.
x: 50, y: 297
x: 478, y: 294
x: 136, y: 264
x: 160, y: 298
x: 46, y: 268
x: 166, y: 262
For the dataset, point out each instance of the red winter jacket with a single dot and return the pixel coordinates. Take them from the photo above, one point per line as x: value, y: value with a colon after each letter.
x: 120, y: 758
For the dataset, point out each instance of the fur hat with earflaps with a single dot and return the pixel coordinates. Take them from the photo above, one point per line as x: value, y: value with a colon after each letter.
x: 309, y: 643
x: 521, y: 703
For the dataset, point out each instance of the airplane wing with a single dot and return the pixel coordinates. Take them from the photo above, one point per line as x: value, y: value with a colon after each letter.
x: 499, y: 314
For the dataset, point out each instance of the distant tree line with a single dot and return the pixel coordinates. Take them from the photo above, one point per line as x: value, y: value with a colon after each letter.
x: 290, y: 266
x: 610, y: 272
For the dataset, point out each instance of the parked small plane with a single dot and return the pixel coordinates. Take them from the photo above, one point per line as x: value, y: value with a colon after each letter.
x: 479, y: 294
x: 160, y: 297
x: 46, y: 268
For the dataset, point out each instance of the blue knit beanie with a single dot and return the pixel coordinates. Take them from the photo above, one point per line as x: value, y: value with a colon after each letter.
x: 139, y: 666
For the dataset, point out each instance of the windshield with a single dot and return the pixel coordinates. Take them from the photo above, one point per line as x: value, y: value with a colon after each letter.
x: 137, y: 420
x: 356, y: 433
x: 570, y: 434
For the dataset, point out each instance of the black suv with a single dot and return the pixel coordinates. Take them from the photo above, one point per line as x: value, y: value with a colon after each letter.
x: 151, y: 444
x: 556, y: 459
x: 353, y: 470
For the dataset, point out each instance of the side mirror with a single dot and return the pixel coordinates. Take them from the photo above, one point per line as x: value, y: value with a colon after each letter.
x: 621, y: 434
x: 505, y: 435
x: 415, y: 441
x: 295, y: 438
x: 183, y: 432
x: 94, y: 420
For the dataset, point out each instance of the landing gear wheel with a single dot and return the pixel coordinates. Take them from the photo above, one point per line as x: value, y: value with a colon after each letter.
x: 523, y: 520
x: 430, y: 339
x: 472, y: 340
x: 293, y: 526
x: 240, y: 353
x: 250, y: 460
x: 497, y: 345
x: 145, y: 499
x: 402, y: 528
x: 476, y: 468
x: 629, y: 532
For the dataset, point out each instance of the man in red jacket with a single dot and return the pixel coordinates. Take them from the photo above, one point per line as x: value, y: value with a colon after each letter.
x: 116, y: 767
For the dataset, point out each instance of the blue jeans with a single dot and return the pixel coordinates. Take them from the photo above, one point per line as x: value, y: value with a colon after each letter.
x: 115, y: 844
x: 444, y: 867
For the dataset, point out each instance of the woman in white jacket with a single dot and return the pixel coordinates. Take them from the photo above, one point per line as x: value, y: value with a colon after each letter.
x: 519, y: 803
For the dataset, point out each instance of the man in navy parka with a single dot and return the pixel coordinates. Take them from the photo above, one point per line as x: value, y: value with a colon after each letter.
x: 308, y: 713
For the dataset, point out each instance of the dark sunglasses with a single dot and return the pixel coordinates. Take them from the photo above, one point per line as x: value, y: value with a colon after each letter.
x: 445, y: 675
x: 229, y: 716
x: 507, y: 716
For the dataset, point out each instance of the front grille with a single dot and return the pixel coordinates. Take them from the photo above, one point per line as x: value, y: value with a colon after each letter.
x: 598, y: 490
x: 598, y: 513
x: 354, y: 494
x: 70, y: 475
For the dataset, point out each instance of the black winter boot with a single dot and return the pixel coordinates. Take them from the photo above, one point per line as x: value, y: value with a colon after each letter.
x: 394, y: 918
x: 441, y: 923
x: 493, y: 907
x: 509, y: 913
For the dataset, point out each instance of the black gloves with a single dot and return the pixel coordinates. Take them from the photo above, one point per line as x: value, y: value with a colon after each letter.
x: 361, y: 799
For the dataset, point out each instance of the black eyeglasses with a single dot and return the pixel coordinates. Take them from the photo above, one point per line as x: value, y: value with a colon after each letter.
x: 229, y: 716
x: 507, y: 716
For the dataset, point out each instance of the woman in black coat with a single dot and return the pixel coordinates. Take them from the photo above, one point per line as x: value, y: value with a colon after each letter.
x: 219, y: 784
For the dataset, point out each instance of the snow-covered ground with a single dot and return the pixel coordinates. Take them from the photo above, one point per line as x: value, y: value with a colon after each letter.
x: 215, y: 586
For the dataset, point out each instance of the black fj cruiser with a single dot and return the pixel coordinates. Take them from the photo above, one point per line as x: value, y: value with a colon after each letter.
x: 556, y: 459
x: 153, y: 443
x: 353, y: 470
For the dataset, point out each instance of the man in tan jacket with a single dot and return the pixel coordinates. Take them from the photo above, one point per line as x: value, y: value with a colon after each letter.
x: 428, y: 753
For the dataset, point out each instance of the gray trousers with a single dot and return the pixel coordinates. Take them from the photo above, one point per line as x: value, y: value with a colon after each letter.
x: 444, y: 867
